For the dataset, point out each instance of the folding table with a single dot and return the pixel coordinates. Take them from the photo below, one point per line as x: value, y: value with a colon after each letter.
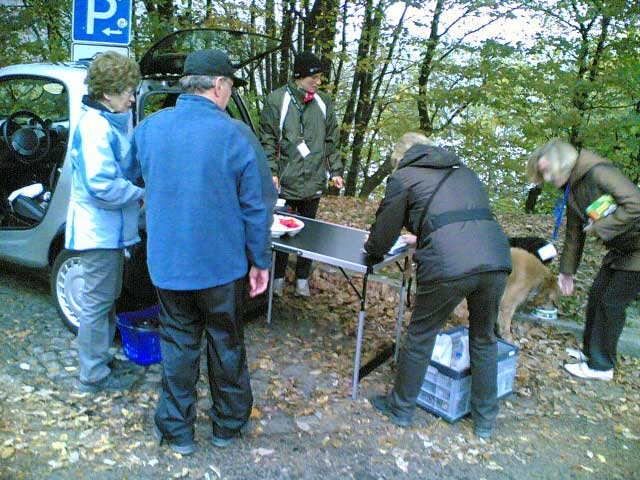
x: 341, y: 247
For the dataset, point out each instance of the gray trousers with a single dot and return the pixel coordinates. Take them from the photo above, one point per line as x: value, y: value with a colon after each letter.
x: 434, y: 304
x: 102, y: 286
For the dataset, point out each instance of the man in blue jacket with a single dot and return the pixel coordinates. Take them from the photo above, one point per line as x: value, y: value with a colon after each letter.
x: 207, y: 226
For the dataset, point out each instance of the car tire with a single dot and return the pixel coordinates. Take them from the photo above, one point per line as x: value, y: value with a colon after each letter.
x: 66, y: 283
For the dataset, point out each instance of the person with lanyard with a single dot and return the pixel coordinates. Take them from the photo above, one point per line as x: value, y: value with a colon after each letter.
x: 602, y: 202
x: 299, y: 133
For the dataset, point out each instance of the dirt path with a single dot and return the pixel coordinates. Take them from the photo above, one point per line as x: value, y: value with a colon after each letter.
x: 304, y: 424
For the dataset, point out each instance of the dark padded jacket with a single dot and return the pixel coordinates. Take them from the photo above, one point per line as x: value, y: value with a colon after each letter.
x: 454, y: 250
x: 592, y: 177
x: 300, y: 178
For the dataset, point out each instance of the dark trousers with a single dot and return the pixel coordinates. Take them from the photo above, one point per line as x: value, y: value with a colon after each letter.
x: 434, y: 304
x: 306, y: 208
x: 184, y: 317
x: 609, y: 296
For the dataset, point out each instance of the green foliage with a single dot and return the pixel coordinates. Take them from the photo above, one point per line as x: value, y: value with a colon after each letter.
x: 37, y: 30
x: 572, y: 73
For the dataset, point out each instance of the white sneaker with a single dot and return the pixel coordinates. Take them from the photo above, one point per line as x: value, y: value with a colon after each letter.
x: 576, y: 353
x: 302, y: 288
x: 582, y: 370
x: 278, y: 287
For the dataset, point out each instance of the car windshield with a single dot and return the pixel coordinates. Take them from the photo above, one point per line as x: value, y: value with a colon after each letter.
x: 46, y: 98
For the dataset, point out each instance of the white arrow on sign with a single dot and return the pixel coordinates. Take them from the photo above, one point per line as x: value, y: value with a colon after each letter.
x: 107, y: 31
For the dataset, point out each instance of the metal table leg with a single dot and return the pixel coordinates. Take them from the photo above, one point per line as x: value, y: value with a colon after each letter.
x: 361, y: 316
x: 401, y: 310
x: 271, y: 275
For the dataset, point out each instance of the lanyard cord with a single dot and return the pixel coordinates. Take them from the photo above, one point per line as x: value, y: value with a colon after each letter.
x: 557, y: 211
x: 299, y: 108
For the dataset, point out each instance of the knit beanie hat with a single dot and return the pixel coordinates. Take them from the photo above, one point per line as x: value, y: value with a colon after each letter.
x: 306, y: 64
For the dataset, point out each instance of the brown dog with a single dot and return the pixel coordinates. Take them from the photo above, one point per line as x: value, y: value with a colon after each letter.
x: 528, y: 274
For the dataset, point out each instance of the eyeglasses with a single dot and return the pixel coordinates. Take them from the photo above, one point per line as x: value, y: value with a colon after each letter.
x: 130, y: 93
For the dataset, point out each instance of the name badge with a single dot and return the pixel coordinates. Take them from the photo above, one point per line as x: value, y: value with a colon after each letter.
x: 547, y: 252
x: 303, y: 149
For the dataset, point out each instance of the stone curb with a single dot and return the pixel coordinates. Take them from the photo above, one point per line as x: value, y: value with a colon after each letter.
x: 629, y: 343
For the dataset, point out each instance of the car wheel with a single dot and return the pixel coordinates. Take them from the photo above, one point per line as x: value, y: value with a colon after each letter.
x: 67, y: 282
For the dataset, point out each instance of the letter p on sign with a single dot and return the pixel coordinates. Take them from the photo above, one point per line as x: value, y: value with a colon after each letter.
x: 92, y: 14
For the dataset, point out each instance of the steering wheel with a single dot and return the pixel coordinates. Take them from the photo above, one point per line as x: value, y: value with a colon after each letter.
x: 28, y: 142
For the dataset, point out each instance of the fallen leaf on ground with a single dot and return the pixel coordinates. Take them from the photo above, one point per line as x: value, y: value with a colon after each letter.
x: 6, y: 452
x: 402, y: 464
x: 263, y: 452
x: 304, y: 426
x: 215, y: 470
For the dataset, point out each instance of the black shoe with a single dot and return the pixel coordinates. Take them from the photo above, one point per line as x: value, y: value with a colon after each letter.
x: 381, y: 404
x: 110, y: 383
x: 116, y: 365
x: 223, y: 437
x: 221, y: 442
x: 483, y: 432
x: 184, y: 449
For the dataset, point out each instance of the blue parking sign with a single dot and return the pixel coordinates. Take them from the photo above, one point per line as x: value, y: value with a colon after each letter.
x: 102, y: 21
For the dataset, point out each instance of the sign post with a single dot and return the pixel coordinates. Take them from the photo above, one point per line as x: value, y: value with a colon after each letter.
x: 100, y: 25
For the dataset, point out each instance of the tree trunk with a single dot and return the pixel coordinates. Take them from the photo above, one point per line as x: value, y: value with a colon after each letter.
x: 426, y: 68
x: 366, y: 50
x: 343, y: 48
x: 271, y: 63
x: 369, y: 97
x: 532, y: 199
x: 587, y: 71
x: 636, y: 162
x: 164, y: 8
x: 287, y: 41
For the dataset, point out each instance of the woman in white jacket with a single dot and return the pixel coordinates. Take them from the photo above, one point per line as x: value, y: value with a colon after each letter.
x: 103, y: 210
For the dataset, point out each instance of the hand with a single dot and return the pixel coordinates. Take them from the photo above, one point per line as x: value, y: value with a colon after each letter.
x: 276, y: 182
x: 258, y: 281
x: 338, y: 182
x: 410, y: 239
x: 565, y: 282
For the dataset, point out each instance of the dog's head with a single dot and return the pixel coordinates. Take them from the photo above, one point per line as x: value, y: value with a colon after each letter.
x: 547, y: 296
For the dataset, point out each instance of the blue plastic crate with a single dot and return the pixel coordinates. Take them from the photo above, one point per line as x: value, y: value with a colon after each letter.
x: 140, y: 341
x: 447, y: 392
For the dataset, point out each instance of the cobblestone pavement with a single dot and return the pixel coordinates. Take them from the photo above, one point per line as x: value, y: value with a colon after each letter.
x: 304, y: 424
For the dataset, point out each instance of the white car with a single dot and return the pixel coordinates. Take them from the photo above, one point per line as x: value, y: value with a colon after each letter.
x: 39, y: 108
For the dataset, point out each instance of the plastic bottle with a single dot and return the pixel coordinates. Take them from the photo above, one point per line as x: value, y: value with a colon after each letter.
x: 456, y: 361
x: 460, y: 360
x: 442, y: 350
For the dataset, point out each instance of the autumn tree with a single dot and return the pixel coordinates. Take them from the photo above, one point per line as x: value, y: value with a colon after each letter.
x: 35, y: 30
